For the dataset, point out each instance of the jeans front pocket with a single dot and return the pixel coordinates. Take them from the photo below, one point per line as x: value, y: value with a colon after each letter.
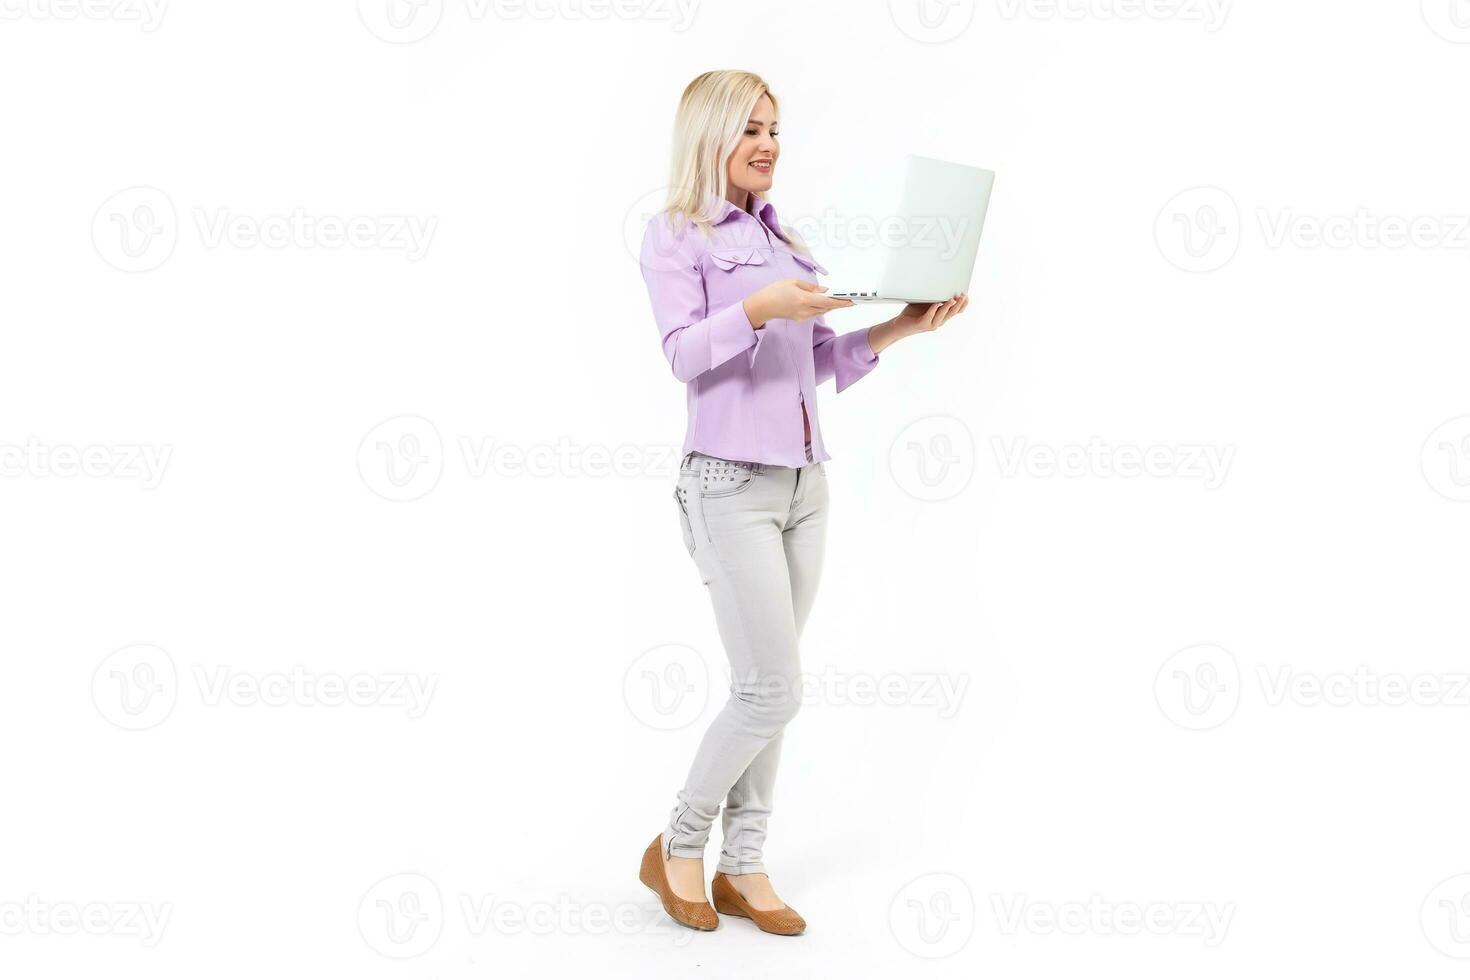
x: 681, y: 491
x: 700, y: 552
x: 723, y: 477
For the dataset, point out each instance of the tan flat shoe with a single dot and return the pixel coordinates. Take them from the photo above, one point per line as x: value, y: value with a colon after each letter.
x: 782, y: 922
x: 695, y: 915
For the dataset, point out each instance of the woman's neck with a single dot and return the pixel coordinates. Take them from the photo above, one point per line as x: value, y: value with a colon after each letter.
x: 739, y: 198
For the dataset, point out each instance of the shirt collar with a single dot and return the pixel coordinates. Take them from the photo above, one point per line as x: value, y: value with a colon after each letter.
x: 761, y: 208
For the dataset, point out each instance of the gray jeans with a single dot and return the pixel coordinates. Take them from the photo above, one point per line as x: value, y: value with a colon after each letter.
x: 756, y: 533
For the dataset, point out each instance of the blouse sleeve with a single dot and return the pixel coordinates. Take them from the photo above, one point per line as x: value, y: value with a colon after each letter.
x: 845, y: 357
x: 694, y: 338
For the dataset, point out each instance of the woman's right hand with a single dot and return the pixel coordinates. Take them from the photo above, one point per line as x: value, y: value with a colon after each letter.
x: 789, y: 299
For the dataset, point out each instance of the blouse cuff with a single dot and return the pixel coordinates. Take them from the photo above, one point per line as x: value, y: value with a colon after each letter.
x: 852, y: 357
x: 730, y: 332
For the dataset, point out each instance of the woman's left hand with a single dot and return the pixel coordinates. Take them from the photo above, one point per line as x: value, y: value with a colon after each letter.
x: 924, y: 317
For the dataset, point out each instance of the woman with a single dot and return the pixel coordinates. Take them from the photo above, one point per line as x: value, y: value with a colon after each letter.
x: 742, y: 327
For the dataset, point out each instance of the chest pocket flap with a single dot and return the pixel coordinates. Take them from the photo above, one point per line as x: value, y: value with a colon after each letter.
x: 729, y: 258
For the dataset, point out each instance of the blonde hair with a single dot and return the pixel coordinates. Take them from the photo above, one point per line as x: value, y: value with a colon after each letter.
x: 713, y: 113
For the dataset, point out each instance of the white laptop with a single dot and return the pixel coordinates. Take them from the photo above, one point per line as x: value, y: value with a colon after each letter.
x: 941, y: 212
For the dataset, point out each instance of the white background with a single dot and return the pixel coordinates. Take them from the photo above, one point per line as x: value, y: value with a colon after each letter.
x: 384, y: 462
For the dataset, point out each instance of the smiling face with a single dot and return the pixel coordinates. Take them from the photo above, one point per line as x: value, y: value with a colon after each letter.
x: 751, y: 168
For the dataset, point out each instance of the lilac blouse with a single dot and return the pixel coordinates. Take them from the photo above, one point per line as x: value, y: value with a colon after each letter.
x: 745, y: 388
